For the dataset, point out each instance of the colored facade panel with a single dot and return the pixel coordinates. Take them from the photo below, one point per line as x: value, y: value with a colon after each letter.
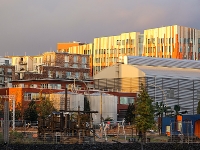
x: 64, y: 47
x: 172, y: 42
x: 110, y: 50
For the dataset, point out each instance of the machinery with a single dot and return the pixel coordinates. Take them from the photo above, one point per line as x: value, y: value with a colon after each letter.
x: 67, y: 126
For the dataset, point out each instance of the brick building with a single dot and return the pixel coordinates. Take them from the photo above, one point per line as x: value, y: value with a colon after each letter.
x: 53, y: 65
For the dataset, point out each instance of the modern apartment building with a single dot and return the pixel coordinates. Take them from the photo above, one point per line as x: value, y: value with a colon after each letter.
x: 172, y: 42
x: 109, y: 50
x: 6, y: 72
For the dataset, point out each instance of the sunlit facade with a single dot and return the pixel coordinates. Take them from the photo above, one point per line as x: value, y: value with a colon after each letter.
x: 109, y: 50
x: 172, y: 42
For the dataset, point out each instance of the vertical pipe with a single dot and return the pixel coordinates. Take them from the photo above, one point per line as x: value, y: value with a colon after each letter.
x: 101, y: 107
x: 13, y: 100
x: 66, y: 99
x: 193, y: 97
x: 178, y: 91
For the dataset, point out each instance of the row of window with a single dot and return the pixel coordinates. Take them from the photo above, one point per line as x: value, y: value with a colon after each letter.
x: 125, y: 42
x: 75, y: 59
x: 67, y: 74
x: 75, y: 65
x: 115, y: 51
x: 35, y: 96
x: 114, y: 60
x: 171, y: 40
x: 165, y: 49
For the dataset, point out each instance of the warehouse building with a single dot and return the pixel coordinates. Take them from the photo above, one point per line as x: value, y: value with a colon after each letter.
x: 171, y: 81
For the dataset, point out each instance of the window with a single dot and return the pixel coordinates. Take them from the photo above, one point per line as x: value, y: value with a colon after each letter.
x: 170, y: 93
x: 75, y: 59
x: 68, y: 74
x: 126, y: 100
x: 77, y: 74
x: 123, y: 42
x: 66, y: 64
x: 75, y: 65
x: 118, y: 42
x: 84, y: 66
x: 199, y: 49
x: 6, y: 62
x: 84, y: 60
x: 66, y: 58
x: 85, y: 75
x: 27, y: 96
x: 199, y: 40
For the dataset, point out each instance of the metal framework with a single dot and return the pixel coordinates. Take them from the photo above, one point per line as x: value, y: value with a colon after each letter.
x: 11, y: 98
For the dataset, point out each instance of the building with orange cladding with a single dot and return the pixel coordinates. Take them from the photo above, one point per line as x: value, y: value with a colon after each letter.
x: 24, y: 95
x: 64, y: 47
x: 172, y: 42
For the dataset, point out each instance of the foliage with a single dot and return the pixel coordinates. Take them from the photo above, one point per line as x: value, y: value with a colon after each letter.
x: 108, y: 119
x: 18, y: 111
x: 161, y: 109
x: 45, y: 108
x: 86, y: 104
x: 198, y: 108
x: 31, y: 112
x: 144, y: 112
x: 130, y: 115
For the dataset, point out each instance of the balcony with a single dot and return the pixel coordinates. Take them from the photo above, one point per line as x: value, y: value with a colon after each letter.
x: 22, y: 63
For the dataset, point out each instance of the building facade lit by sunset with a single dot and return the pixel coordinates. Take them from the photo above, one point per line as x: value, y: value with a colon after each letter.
x: 172, y: 42
x: 109, y: 50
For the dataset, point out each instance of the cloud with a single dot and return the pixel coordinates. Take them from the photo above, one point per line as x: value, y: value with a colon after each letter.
x: 37, y: 26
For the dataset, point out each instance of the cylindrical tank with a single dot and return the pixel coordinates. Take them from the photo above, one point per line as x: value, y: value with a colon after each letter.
x: 75, y: 100
x: 107, y: 102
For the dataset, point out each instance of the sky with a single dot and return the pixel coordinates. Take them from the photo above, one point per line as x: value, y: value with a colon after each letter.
x: 32, y: 27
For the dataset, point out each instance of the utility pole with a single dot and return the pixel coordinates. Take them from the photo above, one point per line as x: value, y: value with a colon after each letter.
x: 7, y: 99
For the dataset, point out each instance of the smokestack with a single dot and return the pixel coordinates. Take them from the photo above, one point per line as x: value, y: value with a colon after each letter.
x: 66, y: 99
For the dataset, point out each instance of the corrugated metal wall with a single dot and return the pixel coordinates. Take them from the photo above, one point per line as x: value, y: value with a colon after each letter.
x: 184, y: 92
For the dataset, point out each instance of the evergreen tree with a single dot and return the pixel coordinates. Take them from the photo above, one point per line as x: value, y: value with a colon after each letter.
x: 130, y: 114
x: 198, y: 108
x: 144, y: 119
x: 31, y: 112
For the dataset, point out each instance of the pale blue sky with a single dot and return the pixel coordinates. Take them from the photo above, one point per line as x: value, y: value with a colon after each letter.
x: 36, y: 26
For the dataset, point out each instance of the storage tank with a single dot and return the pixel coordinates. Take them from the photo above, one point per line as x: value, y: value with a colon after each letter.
x: 109, y: 106
x: 75, y: 100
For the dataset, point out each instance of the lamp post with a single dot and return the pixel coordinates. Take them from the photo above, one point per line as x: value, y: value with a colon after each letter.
x: 165, y: 99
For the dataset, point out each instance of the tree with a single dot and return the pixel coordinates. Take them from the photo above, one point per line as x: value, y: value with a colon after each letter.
x: 45, y: 108
x: 144, y: 112
x: 198, y: 108
x: 161, y: 109
x: 31, y: 112
x: 18, y: 111
x: 130, y: 114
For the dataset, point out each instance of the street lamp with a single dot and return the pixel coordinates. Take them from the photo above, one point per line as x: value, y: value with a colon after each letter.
x: 156, y: 86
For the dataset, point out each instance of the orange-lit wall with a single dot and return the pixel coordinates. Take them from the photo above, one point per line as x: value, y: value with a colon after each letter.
x: 65, y: 46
